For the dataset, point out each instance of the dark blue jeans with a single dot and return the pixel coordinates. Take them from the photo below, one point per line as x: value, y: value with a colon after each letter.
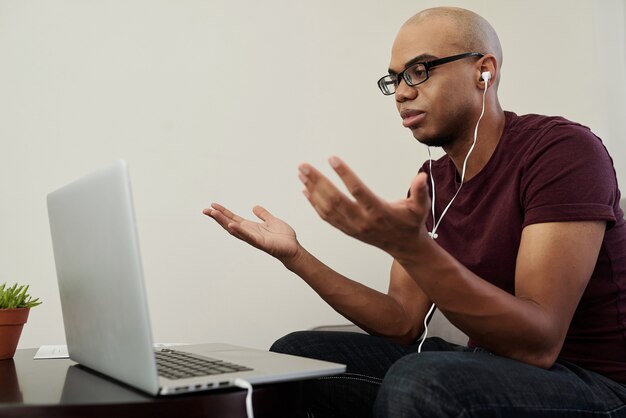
x: 385, y: 379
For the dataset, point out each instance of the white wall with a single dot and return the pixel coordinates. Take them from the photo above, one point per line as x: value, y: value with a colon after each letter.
x: 220, y: 101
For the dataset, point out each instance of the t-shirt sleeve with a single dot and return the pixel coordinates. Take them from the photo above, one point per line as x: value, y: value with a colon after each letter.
x: 568, y: 176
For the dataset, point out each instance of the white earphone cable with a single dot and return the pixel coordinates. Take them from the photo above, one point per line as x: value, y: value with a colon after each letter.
x: 436, y: 224
x: 425, y: 333
x: 433, y: 233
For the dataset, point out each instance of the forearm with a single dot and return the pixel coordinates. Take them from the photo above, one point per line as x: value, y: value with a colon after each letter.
x: 554, y: 263
x: 494, y: 319
x: 375, y: 312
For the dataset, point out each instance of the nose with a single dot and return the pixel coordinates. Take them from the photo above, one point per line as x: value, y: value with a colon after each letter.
x: 405, y: 92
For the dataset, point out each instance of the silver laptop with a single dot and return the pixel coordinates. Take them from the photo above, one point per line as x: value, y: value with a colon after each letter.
x: 105, y: 311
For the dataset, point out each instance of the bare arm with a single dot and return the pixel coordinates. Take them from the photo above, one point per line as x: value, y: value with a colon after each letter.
x: 397, y: 315
x: 554, y: 264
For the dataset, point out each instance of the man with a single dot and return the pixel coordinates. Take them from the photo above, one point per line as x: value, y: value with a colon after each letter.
x: 524, y: 250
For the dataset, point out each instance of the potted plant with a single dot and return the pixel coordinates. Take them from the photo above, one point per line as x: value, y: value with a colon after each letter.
x: 15, y: 304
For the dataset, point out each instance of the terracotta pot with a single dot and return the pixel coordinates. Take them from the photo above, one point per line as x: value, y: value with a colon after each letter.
x: 11, y: 323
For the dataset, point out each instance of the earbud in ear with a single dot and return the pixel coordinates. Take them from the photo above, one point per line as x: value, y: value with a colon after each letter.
x: 486, y: 76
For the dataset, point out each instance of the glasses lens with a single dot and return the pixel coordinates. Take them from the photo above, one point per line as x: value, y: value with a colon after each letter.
x: 387, y: 85
x: 415, y: 74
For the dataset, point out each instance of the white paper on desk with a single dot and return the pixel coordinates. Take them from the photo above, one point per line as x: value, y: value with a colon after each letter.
x: 60, y: 351
x: 51, y: 351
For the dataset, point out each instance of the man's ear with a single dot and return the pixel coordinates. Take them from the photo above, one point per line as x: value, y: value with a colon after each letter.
x: 487, y: 71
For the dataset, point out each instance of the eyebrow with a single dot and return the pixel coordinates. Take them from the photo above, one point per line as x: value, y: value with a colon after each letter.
x: 419, y: 58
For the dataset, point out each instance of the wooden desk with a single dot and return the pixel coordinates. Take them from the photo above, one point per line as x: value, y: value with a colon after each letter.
x: 60, y: 388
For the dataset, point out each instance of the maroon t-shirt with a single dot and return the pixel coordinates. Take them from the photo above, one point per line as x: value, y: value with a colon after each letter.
x: 544, y: 169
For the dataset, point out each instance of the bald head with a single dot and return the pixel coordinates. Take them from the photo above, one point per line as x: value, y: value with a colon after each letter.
x: 465, y: 30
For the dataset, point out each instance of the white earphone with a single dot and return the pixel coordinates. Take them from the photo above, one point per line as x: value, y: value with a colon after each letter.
x: 486, y: 76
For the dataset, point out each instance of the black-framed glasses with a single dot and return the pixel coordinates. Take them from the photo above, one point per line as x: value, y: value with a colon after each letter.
x: 417, y: 73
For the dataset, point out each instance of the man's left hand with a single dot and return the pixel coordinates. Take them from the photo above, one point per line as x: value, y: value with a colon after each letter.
x: 395, y: 227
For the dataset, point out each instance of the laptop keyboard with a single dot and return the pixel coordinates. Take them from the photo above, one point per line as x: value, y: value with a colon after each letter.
x: 174, y: 364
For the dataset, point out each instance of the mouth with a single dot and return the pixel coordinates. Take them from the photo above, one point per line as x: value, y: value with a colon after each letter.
x: 411, y: 117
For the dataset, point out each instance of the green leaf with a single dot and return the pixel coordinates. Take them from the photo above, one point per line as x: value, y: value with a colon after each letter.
x: 16, y: 296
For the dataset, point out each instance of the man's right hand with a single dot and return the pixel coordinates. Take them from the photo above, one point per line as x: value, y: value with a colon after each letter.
x: 273, y: 235
x: 397, y: 315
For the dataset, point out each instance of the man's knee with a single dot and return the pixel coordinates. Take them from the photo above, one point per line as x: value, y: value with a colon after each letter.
x: 296, y: 343
x: 420, y: 385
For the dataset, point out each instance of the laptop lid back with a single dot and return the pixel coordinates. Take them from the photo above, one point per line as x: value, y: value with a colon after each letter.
x: 96, y: 251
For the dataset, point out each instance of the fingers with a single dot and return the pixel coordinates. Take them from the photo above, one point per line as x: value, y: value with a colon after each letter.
x: 227, y: 213
x: 328, y: 201
x: 262, y: 213
x: 238, y: 231
x: 419, y: 192
x: 355, y: 186
x: 224, y: 217
x: 232, y: 223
